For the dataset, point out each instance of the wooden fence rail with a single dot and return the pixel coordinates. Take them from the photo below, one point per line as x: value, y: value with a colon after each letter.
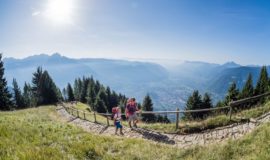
x: 232, y: 104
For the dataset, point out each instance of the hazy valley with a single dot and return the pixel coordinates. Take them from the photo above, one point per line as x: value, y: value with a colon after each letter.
x: 169, y: 88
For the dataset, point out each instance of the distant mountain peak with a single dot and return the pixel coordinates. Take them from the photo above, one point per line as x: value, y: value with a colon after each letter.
x: 56, y: 55
x: 231, y: 64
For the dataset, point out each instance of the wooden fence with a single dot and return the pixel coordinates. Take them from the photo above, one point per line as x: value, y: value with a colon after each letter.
x: 76, y: 112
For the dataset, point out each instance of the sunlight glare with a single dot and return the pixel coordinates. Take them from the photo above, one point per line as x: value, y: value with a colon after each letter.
x: 59, y: 11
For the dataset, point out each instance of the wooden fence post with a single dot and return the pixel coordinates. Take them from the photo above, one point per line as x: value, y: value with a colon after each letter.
x: 108, y: 123
x: 230, y: 112
x: 95, y: 118
x: 177, y: 118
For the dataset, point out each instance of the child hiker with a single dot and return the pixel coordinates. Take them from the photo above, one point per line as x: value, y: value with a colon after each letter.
x: 117, y: 119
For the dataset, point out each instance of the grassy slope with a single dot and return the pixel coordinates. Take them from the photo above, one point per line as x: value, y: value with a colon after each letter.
x: 40, y: 134
x: 211, y: 122
x: 192, y: 126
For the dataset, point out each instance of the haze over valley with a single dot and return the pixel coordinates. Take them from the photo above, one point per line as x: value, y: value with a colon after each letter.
x: 168, y: 87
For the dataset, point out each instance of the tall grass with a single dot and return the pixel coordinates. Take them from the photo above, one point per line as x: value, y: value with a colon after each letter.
x: 39, y: 133
x: 210, y: 122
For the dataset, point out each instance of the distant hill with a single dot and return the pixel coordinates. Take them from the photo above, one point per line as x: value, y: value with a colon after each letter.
x: 169, y: 88
x: 129, y: 77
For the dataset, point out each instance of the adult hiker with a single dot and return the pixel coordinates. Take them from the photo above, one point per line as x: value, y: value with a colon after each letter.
x: 131, y: 109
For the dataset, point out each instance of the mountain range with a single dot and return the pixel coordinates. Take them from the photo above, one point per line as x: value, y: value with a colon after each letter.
x: 169, y: 88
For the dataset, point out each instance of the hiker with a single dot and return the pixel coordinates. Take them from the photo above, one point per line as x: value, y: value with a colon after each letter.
x: 117, y: 119
x: 131, y: 115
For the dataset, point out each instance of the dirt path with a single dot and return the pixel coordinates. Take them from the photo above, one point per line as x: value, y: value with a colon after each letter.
x: 216, y: 135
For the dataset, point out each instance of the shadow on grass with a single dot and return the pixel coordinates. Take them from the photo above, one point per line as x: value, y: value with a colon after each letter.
x: 154, y: 136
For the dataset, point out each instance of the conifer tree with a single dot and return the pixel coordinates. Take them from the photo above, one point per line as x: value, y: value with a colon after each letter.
x: 65, y: 95
x: 78, y: 89
x: 91, y: 95
x: 36, y: 87
x: 194, y: 102
x: 100, y: 105
x: 206, y: 103
x: 70, y: 94
x: 115, y: 99
x: 148, y: 106
x: 28, y: 96
x: 102, y: 95
x: 83, y: 91
x: 262, y: 85
x: 50, y: 93
x: 5, y: 97
x: 97, y: 86
x: 18, y: 98
x: 44, y: 89
x: 248, y: 89
x: 233, y: 94
x: 108, y: 101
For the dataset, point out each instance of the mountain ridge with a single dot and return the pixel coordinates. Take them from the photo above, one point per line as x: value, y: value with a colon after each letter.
x: 169, y: 88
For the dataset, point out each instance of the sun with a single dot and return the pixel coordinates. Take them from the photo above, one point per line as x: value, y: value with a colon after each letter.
x: 59, y: 11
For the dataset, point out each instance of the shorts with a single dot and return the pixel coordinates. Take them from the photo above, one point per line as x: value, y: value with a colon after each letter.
x: 118, y: 124
x: 132, y: 117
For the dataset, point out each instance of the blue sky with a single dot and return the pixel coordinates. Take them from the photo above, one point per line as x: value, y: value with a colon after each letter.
x: 197, y: 30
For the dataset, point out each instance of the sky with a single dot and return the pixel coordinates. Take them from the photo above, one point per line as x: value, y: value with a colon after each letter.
x: 214, y: 31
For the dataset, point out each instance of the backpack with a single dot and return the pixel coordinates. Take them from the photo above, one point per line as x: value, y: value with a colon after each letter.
x: 114, y: 111
x: 131, y: 107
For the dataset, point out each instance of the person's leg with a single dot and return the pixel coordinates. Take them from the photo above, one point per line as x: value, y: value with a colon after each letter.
x: 129, y: 121
x: 135, y: 120
x: 116, y: 129
x: 121, y: 130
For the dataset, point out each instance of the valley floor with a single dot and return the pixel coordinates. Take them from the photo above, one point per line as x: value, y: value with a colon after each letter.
x: 41, y: 133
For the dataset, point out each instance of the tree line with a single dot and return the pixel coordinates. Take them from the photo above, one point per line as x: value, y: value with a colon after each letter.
x: 99, y: 97
x: 196, y: 101
x: 43, y: 91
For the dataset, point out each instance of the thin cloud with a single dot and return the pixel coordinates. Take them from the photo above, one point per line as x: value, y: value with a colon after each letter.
x: 36, y: 13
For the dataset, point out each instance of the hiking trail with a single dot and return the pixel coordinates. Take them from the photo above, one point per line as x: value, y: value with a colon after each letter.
x: 220, y: 134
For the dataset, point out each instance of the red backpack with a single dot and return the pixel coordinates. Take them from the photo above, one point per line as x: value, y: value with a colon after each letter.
x: 114, y: 111
x: 131, y: 107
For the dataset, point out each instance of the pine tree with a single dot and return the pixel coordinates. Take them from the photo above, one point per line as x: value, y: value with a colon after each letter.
x: 263, y: 83
x: 102, y: 95
x: 248, y: 88
x: 36, y: 87
x: 65, y: 96
x: 233, y: 94
x: 91, y: 95
x: 206, y: 103
x: 194, y: 102
x: 100, y: 105
x: 83, y: 95
x: 28, y: 96
x: 108, y: 101
x: 50, y: 93
x: 5, y: 97
x: 97, y: 86
x: 70, y: 94
x: 18, y: 98
x: 78, y: 89
x: 44, y: 89
x: 163, y: 119
x: 114, y: 100
x: 148, y: 106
